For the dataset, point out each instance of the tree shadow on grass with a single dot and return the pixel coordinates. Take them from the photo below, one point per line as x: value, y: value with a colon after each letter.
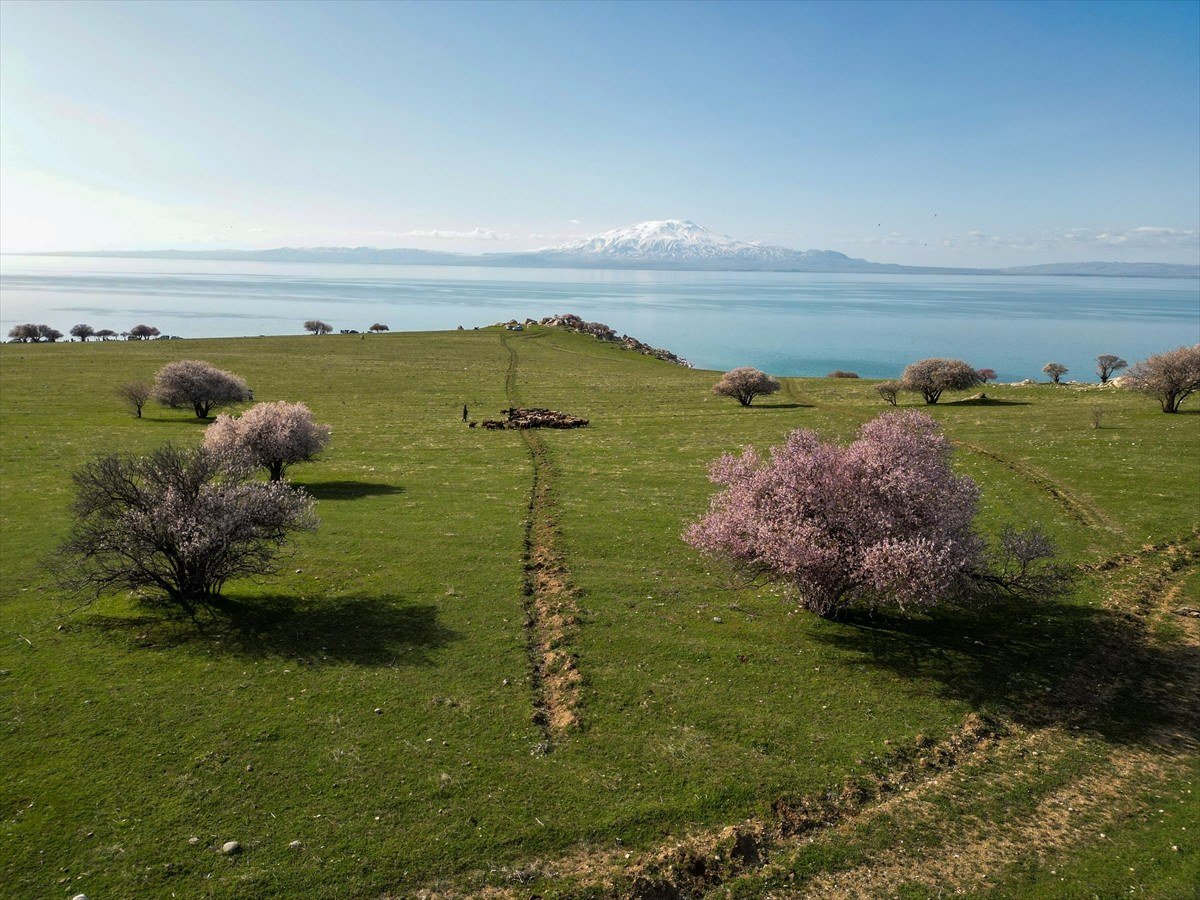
x: 173, y: 420
x: 1042, y: 664
x: 779, y: 406
x: 367, y: 631
x: 984, y: 401
x: 348, y: 490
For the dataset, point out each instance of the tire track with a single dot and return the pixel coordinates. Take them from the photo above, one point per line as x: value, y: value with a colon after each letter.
x: 551, y: 615
x: 1076, y: 507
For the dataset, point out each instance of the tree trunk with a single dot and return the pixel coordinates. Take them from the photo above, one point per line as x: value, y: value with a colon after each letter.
x: 276, y: 470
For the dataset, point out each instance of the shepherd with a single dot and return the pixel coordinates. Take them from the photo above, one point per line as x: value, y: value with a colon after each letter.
x: 464, y: 412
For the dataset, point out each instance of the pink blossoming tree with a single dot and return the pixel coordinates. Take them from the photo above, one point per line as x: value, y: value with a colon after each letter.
x: 883, y: 521
x: 744, y: 384
x: 179, y: 522
x: 270, y: 435
x: 200, y: 385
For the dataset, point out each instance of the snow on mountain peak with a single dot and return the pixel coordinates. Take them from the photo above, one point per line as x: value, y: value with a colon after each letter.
x: 674, y: 243
x: 660, y: 239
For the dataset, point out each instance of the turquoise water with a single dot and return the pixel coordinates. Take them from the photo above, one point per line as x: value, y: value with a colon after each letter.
x: 786, y: 323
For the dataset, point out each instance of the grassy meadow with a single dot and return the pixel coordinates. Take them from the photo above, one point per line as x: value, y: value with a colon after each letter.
x: 373, y: 701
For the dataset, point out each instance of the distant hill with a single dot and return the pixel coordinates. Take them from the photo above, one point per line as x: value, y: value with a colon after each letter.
x: 661, y: 244
x: 1111, y: 269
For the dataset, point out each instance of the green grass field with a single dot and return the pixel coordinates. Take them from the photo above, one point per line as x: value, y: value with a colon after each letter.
x: 375, y: 701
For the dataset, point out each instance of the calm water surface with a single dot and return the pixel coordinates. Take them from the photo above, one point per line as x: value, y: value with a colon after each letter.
x: 786, y: 323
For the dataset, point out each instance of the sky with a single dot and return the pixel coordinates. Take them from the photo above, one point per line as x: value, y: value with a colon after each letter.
x: 979, y: 134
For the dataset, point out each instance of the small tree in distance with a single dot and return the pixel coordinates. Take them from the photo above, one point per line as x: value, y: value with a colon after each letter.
x: 745, y: 383
x: 986, y: 375
x: 200, y: 385
x: 884, y: 521
x: 889, y: 390
x: 178, y: 523
x: 271, y: 435
x: 930, y: 377
x: 48, y: 334
x: 1108, y: 365
x: 135, y: 393
x: 83, y: 332
x: 1170, y: 378
x: 105, y: 333
x: 143, y: 332
x: 316, y: 326
x: 378, y: 327
x: 1055, y: 371
x: 25, y: 334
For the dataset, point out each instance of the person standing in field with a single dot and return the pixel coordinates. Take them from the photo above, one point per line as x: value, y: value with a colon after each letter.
x: 464, y: 412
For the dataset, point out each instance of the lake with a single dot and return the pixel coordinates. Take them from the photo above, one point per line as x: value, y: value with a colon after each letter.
x: 785, y: 323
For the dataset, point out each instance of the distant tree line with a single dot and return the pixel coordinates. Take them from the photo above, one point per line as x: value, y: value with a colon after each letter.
x: 30, y: 333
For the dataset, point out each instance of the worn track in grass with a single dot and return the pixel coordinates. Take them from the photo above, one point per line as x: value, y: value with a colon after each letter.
x: 551, y: 615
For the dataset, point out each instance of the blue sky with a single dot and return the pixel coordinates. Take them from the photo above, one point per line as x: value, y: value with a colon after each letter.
x: 957, y: 134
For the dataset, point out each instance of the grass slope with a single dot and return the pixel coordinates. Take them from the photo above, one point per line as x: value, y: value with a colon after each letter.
x: 125, y: 734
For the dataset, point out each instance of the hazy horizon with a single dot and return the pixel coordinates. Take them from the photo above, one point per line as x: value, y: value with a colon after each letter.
x: 973, y: 135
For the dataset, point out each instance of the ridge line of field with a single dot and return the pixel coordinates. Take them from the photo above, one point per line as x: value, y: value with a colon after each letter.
x: 550, y: 611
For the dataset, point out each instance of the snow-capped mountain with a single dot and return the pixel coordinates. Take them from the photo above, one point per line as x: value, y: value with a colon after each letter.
x: 660, y: 244
x: 679, y: 243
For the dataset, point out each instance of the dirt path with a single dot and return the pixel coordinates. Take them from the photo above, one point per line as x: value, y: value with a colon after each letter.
x: 551, y: 615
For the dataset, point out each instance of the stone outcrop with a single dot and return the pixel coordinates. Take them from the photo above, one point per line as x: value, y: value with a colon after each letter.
x: 601, y: 332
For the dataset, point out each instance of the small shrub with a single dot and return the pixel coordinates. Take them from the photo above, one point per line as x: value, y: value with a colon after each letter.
x: 1055, y: 371
x: 1097, y: 417
x: 838, y: 373
x: 177, y: 523
x: 1170, y: 378
x: 889, y: 390
x: 135, y: 393
x: 1108, y: 365
x: 930, y: 377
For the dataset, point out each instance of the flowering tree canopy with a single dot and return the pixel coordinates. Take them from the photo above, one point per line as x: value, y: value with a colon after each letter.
x: 179, y: 522
x: 929, y: 377
x: 379, y: 326
x: 986, y: 375
x: 271, y: 435
x: 316, y: 326
x: 883, y: 521
x: 1055, y: 370
x: 200, y: 385
x: 1107, y: 365
x: 744, y: 384
x: 1167, y: 377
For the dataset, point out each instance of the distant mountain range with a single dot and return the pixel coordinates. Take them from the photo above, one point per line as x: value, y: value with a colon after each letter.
x: 664, y: 244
